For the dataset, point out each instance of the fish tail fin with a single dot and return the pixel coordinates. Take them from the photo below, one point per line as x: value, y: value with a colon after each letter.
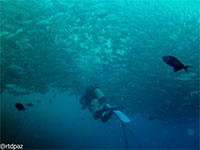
x: 186, y: 68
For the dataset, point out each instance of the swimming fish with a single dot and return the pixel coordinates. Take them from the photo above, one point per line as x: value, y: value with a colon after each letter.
x: 19, y: 106
x: 70, y: 94
x: 151, y: 118
x: 38, y: 101
x: 29, y: 104
x: 175, y: 63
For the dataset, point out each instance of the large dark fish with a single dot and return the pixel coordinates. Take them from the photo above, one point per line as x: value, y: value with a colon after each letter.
x: 19, y: 106
x: 29, y: 104
x: 174, y: 62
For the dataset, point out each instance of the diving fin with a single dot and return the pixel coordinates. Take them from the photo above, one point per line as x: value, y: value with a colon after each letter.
x: 109, y: 107
x: 122, y: 117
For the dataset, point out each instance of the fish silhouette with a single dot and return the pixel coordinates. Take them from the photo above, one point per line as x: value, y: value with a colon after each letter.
x: 29, y: 104
x: 151, y: 118
x: 19, y: 106
x: 175, y: 63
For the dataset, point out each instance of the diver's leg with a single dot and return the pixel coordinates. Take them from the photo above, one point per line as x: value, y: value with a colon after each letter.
x: 99, y: 113
x: 108, y: 107
x: 106, y: 117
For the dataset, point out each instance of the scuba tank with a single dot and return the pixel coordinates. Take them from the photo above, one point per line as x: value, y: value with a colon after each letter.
x: 98, y: 103
x: 99, y: 95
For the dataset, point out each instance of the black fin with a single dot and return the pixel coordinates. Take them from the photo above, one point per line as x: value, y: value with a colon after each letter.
x: 176, y: 69
x: 186, y: 67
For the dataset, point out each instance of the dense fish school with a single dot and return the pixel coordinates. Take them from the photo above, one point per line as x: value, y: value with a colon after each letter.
x: 70, y: 44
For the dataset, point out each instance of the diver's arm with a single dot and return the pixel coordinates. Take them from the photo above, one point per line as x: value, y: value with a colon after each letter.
x: 83, y: 107
x: 82, y: 101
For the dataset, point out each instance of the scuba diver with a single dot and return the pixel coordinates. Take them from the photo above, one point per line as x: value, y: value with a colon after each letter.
x: 95, y: 101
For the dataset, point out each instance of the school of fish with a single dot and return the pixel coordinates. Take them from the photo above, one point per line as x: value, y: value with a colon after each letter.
x: 116, y: 45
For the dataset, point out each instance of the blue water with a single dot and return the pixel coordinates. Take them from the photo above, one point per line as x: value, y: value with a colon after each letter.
x: 63, y: 124
x: 51, y: 50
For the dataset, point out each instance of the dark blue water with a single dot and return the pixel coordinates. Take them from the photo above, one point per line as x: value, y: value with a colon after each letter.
x: 63, y: 124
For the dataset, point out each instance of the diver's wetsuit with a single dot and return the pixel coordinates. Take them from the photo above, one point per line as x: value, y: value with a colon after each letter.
x: 95, y: 101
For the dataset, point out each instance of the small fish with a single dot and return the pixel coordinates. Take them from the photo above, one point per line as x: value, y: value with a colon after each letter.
x: 151, y: 118
x: 38, y: 101
x: 54, y: 95
x: 19, y: 106
x: 29, y: 104
x: 50, y: 101
x: 70, y: 94
x: 174, y: 62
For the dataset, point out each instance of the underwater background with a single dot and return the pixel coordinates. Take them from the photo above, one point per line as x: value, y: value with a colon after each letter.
x: 51, y: 50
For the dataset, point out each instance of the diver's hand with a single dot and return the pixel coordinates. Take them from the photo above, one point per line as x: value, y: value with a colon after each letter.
x: 83, y: 107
